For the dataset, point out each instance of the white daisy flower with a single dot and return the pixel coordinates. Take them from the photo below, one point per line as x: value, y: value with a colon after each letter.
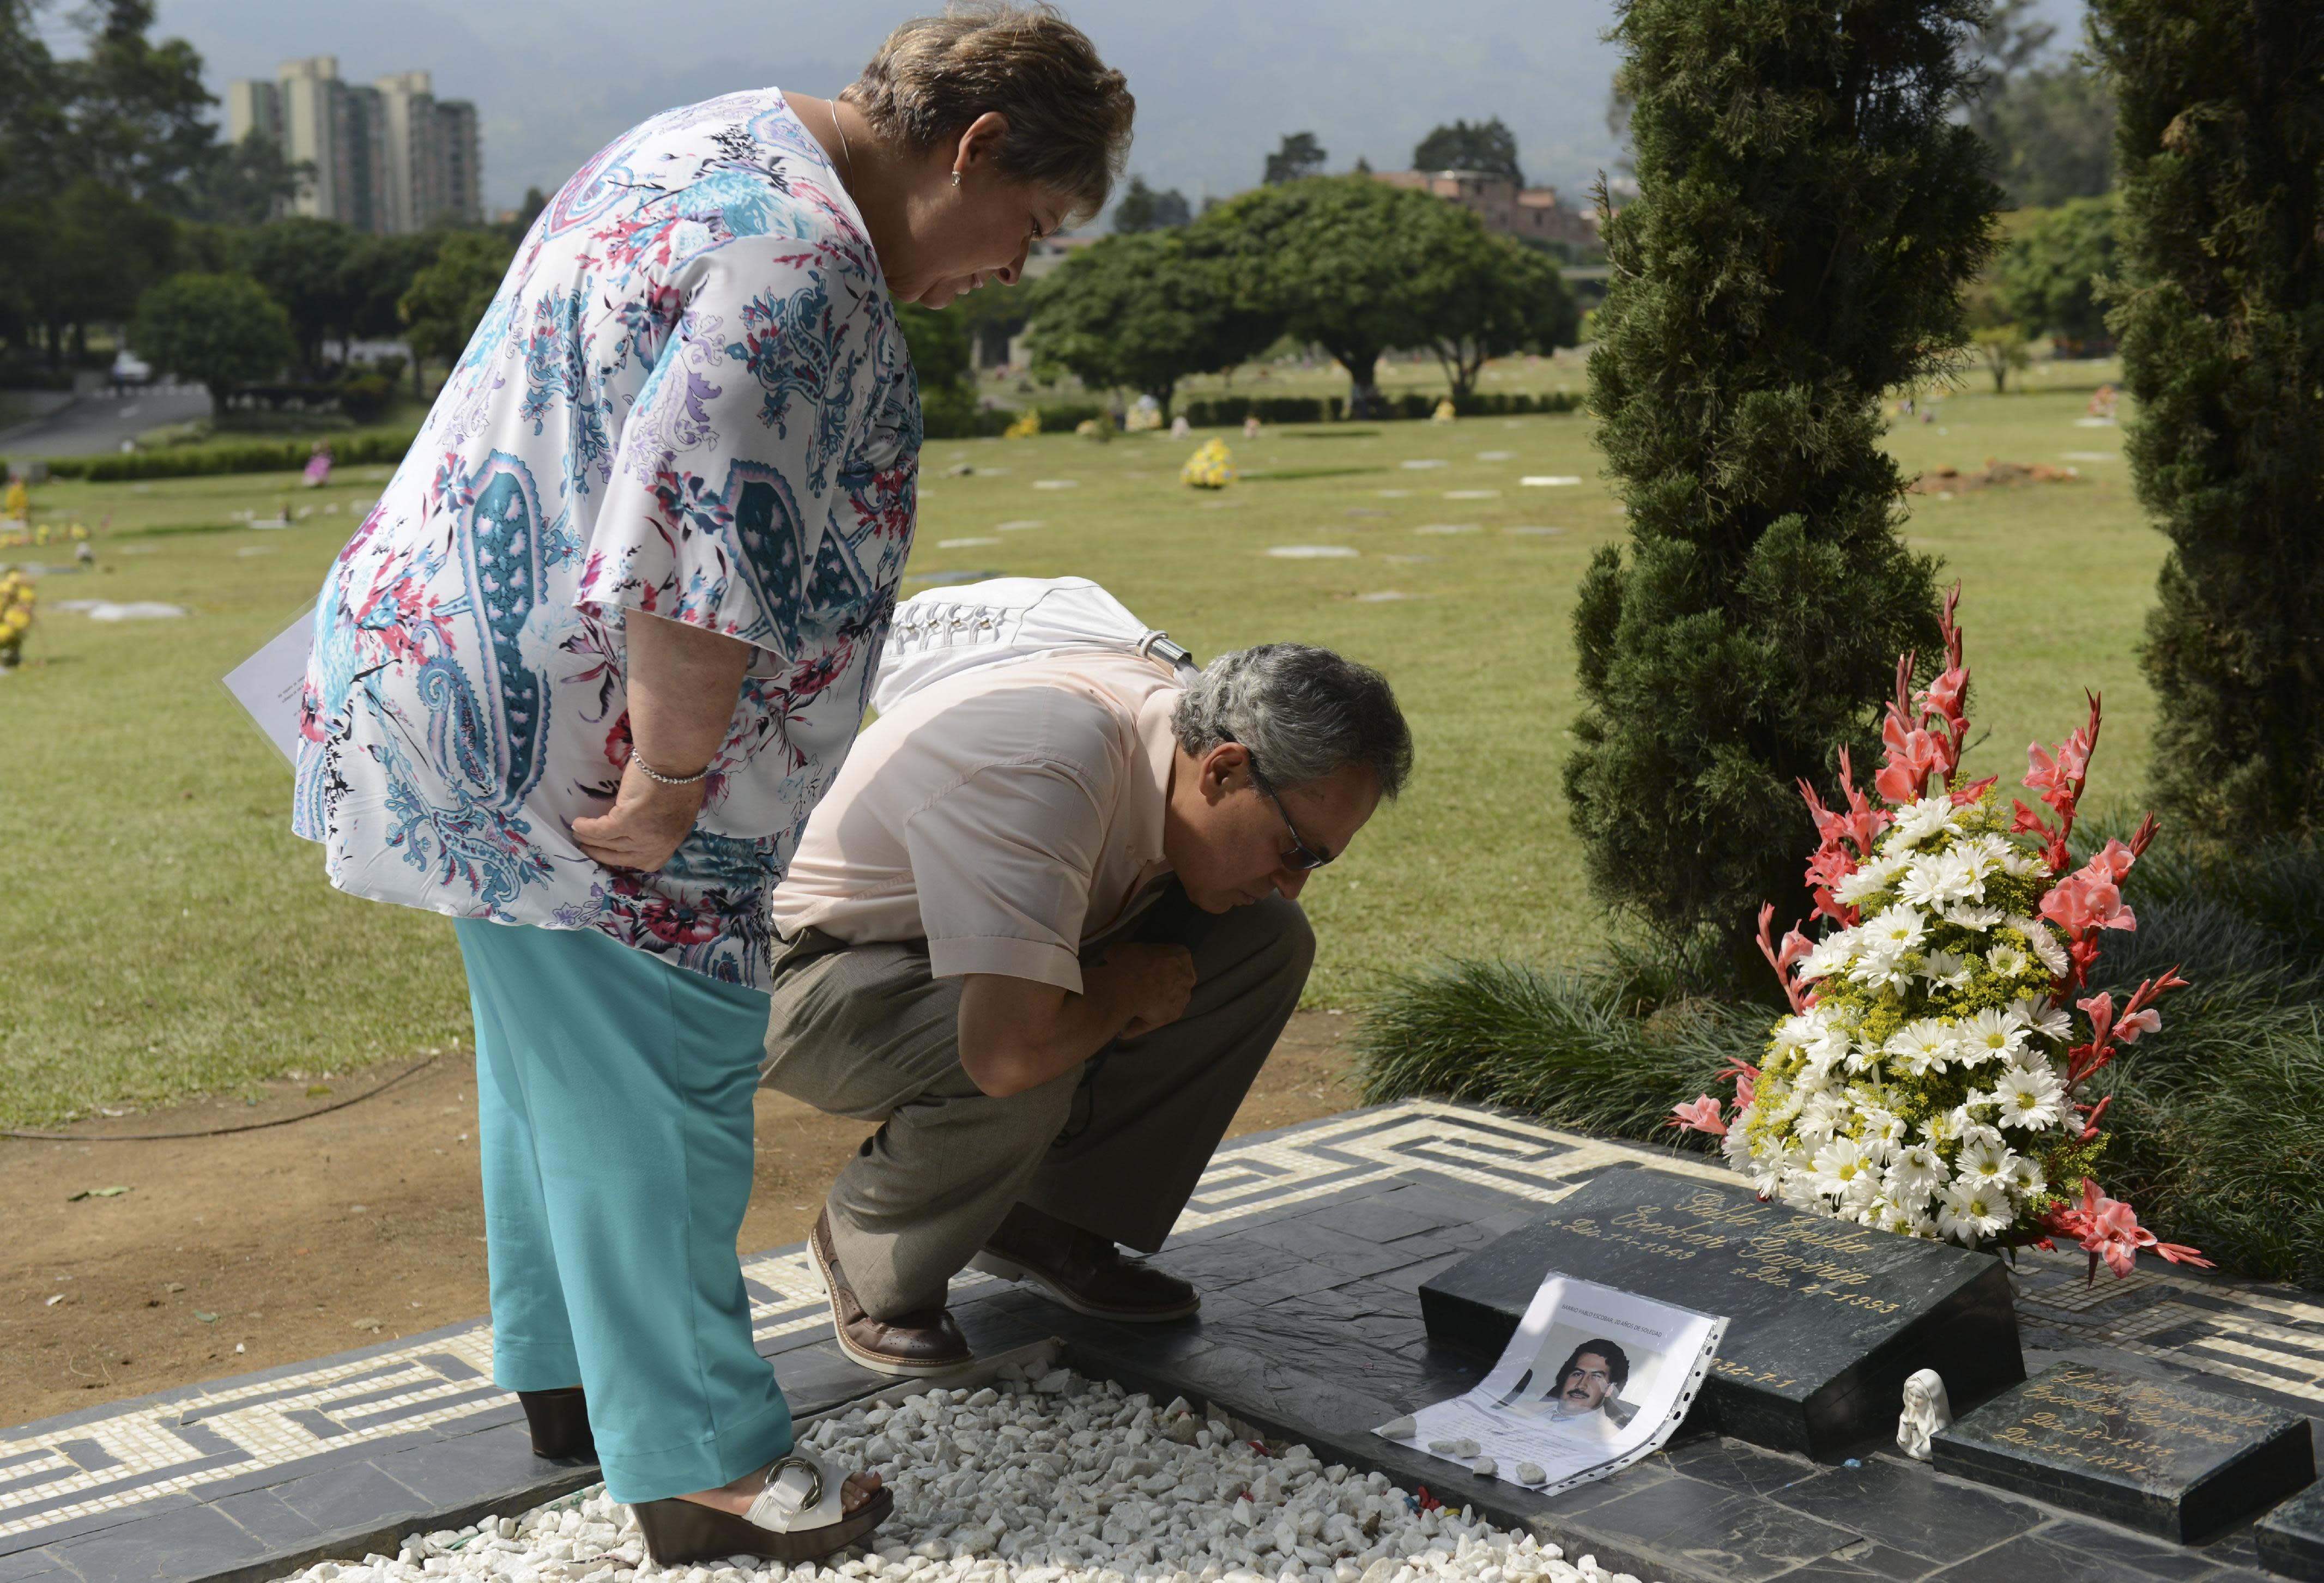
x: 1913, y: 1173
x: 2029, y: 1099
x: 1986, y: 1163
x: 1921, y: 1047
x: 2022, y: 863
x: 1869, y: 880
x: 1970, y: 1130
x: 1971, y: 1212
x: 2044, y: 1017
x: 1990, y: 1035
x: 1894, y: 1218
x: 2007, y: 961
x: 1945, y: 969
x: 1819, y: 1119
x: 1800, y: 1192
x: 2041, y: 941
x: 1929, y: 816
x: 1882, y: 1132
x: 2026, y: 1179
x: 1829, y: 955
x: 1895, y: 932
x: 1970, y: 915
x: 1838, y: 1164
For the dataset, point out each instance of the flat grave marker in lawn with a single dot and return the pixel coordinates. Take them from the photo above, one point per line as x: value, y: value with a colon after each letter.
x: 1826, y: 1317
x: 2151, y: 1454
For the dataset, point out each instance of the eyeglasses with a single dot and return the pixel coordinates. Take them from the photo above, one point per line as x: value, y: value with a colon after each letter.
x: 1302, y: 857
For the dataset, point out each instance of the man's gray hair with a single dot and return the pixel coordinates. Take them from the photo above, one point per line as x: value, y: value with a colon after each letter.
x: 1304, y: 713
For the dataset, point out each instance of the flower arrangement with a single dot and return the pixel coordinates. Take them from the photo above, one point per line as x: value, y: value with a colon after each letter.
x: 1925, y: 1080
x: 16, y: 598
x: 1026, y: 425
x: 1210, y: 467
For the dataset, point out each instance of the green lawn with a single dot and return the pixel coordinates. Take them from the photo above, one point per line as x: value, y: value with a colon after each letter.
x: 164, y: 933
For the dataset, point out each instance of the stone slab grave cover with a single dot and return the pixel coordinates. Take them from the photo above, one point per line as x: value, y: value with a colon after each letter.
x: 1826, y: 1317
x: 2290, y: 1539
x: 2151, y: 1454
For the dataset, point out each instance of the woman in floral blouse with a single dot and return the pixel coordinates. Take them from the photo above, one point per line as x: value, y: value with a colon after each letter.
x: 582, y: 675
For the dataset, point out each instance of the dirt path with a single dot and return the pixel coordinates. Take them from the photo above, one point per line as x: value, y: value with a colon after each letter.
x: 245, y: 1252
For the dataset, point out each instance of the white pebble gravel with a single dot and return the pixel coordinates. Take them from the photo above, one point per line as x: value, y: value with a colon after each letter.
x: 1057, y: 1480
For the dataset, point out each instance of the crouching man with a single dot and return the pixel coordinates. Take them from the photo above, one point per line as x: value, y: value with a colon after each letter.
x: 1045, y: 929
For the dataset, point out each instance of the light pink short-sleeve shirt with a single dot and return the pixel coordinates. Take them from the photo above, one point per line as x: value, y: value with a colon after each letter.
x: 1004, y: 815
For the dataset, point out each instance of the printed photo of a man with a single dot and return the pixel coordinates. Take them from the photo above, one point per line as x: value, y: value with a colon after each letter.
x: 1584, y: 1396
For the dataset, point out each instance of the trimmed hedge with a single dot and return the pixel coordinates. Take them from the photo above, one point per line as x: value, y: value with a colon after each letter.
x: 1224, y: 411
x: 205, y: 461
x: 944, y: 418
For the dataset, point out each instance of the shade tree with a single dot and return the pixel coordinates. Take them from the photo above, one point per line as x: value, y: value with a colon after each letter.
x: 1300, y: 157
x: 2049, y: 274
x: 1503, y: 298
x: 1142, y: 310
x: 220, y: 331
x: 446, y: 300
x: 1487, y: 146
x: 1141, y: 208
x: 1348, y: 263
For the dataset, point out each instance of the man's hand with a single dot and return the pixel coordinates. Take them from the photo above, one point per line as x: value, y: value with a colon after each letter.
x: 645, y: 825
x: 1016, y: 1034
x: 1151, y: 983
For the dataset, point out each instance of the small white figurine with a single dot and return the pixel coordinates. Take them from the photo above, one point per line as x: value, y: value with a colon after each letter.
x: 1926, y: 1411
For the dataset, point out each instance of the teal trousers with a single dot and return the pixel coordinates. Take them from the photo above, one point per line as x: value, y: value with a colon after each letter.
x: 613, y: 1099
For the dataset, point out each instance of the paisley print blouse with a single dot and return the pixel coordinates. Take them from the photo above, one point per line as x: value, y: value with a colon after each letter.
x: 690, y: 398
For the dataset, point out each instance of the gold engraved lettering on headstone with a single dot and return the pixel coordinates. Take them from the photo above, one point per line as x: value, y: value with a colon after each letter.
x: 1736, y: 1369
x: 2123, y: 1424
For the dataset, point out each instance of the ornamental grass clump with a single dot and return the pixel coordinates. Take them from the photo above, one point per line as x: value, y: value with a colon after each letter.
x: 1926, y: 1080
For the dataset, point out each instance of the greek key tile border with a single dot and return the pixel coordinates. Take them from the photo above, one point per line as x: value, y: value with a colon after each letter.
x: 228, y: 1429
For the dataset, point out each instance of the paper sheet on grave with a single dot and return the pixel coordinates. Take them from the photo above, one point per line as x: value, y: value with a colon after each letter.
x: 1594, y: 1380
x: 268, y: 684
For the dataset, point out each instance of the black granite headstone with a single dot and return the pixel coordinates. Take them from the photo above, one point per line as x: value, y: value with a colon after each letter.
x: 2153, y: 1455
x: 1825, y: 1319
x: 2290, y: 1539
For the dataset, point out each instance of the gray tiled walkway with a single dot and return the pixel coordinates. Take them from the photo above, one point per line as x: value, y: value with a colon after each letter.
x: 1310, y: 1246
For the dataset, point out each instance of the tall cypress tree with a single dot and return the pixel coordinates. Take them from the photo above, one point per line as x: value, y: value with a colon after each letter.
x: 1807, y: 213
x: 2220, y: 143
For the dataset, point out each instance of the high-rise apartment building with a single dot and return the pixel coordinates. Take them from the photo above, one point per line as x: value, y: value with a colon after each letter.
x: 389, y: 157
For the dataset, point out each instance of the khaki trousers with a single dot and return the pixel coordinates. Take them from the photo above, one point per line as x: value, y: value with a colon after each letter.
x: 1113, y: 1145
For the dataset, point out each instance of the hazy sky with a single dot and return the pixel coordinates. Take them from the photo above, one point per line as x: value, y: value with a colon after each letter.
x: 1218, y: 81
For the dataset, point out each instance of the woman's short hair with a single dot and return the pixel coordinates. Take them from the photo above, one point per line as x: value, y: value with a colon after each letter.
x: 1304, y: 713
x: 1068, y: 112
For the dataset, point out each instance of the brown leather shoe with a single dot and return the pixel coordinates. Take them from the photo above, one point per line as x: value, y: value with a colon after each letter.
x: 679, y: 1532
x: 559, y: 1421
x: 1082, y: 1270
x: 914, y: 1344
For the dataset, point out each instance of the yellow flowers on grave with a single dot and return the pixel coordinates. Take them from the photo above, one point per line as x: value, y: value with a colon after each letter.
x: 1211, y: 467
x: 16, y: 598
x: 1443, y: 413
x: 1028, y: 424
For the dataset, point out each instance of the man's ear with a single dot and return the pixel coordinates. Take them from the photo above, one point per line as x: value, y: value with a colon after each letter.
x: 1224, y: 760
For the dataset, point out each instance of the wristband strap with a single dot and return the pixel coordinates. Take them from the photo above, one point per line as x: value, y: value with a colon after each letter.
x: 650, y: 773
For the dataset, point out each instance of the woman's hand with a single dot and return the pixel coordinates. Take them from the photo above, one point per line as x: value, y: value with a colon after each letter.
x: 683, y: 683
x: 645, y: 825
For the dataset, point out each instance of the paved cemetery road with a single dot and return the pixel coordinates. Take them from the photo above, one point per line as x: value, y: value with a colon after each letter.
x: 100, y: 423
x: 284, y: 1242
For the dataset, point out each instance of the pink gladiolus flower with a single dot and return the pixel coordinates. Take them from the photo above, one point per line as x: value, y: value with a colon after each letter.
x: 1913, y: 757
x: 2149, y: 1021
x: 2087, y: 900
x: 2113, y: 861
x: 2107, y: 1228
x: 1699, y: 1115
